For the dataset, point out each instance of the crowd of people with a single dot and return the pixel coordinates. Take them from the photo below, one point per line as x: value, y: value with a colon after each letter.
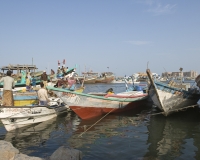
x: 62, y: 70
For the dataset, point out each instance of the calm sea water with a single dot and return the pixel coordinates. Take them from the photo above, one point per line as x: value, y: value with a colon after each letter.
x: 135, y: 135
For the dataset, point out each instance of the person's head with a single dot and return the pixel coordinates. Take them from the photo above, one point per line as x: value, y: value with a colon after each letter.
x: 26, y: 77
x: 9, y: 73
x: 41, y: 84
x: 44, y: 72
x: 109, y: 90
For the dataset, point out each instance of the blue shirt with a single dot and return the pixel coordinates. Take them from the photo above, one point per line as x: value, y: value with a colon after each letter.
x: 33, y: 81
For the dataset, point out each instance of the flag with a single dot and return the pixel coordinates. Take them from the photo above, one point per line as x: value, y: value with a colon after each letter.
x: 58, y: 63
x: 63, y: 61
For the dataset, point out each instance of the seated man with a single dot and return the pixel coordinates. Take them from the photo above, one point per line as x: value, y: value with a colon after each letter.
x: 61, y: 83
x: 42, y: 95
x: 71, y: 83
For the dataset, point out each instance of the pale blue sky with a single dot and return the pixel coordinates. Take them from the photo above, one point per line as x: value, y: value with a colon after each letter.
x: 96, y: 34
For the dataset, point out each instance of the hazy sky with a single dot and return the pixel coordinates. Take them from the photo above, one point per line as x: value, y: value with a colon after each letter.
x: 124, y: 35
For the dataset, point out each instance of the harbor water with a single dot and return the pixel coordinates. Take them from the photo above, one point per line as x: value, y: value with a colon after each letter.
x: 134, y: 135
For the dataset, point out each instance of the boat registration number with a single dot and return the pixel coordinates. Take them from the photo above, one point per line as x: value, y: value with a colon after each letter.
x: 14, y: 110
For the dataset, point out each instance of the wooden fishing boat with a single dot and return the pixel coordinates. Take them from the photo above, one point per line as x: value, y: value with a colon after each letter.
x: 172, y: 97
x: 97, y: 104
x: 19, y: 116
x: 87, y: 80
x: 106, y: 77
x: 88, y: 77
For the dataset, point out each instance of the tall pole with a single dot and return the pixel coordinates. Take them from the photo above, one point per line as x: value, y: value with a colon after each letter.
x: 181, y: 69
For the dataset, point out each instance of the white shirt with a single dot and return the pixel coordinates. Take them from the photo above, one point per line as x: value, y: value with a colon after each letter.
x: 8, y: 82
x: 42, y: 94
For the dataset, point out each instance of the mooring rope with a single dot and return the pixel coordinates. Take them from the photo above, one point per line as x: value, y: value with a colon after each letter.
x: 181, y: 109
x: 95, y: 123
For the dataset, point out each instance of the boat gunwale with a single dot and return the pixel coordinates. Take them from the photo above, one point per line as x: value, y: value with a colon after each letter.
x: 28, y: 107
x: 127, y: 99
x: 170, y: 87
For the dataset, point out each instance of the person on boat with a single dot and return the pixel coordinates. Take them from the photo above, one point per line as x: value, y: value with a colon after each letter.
x: 110, y: 91
x: 63, y: 69
x: 28, y: 75
x: 8, y: 85
x: 42, y: 95
x: 28, y: 84
x: 61, y: 83
x: 19, y: 79
x: 71, y: 83
x: 44, y: 78
x: 33, y: 82
x: 59, y: 70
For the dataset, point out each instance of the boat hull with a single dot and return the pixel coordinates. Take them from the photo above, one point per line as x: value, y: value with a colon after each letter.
x: 25, y: 102
x: 107, y: 79
x: 90, y: 81
x: 17, y: 117
x: 170, y: 99
x: 88, y: 112
x: 89, y: 106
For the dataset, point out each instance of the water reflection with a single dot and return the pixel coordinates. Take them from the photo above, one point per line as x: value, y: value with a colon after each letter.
x: 115, y: 136
x: 32, y: 134
x: 132, y: 135
x: 174, y: 137
x: 36, y: 138
x: 44, y: 138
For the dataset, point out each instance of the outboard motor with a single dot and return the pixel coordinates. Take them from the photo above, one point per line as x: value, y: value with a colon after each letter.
x: 55, y: 102
x: 138, y: 88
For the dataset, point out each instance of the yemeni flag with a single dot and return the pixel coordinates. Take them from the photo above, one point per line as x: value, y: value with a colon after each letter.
x: 58, y: 63
x: 63, y: 61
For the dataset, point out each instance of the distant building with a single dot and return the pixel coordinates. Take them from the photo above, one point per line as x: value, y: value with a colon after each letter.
x: 191, y: 74
x: 166, y: 74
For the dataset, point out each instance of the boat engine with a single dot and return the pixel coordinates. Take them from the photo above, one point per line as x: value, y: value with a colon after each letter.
x: 55, y: 102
